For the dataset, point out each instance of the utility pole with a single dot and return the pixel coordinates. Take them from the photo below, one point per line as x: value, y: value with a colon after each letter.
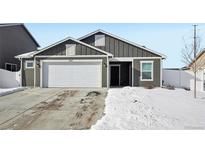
x: 195, y: 52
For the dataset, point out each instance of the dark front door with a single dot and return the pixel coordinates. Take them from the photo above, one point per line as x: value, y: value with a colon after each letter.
x: 114, y: 76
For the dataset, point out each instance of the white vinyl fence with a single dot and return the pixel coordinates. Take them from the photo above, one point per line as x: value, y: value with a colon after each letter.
x: 183, y: 78
x: 9, y: 79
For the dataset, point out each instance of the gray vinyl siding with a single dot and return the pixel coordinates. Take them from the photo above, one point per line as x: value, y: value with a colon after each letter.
x: 14, y: 40
x: 104, y: 67
x: 156, y: 75
x: 119, y: 48
x: 60, y: 49
x: 27, y: 75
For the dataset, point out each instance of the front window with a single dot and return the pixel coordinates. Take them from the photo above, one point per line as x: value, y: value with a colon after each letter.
x: 146, y: 70
x: 99, y: 40
x: 29, y: 64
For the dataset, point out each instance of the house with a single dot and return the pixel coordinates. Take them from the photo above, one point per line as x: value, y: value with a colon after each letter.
x: 199, y: 63
x: 98, y: 59
x: 15, y: 39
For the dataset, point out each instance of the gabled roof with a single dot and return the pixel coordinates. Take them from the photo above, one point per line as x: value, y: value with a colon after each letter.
x: 24, y: 27
x: 122, y: 39
x: 26, y: 55
x: 31, y: 54
x: 197, y: 57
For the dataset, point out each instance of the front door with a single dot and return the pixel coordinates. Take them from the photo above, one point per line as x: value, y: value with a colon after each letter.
x: 115, y: 75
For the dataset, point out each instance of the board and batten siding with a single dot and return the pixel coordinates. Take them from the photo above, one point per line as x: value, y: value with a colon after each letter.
x: 119, y: 48
x: 60, y: 49
x: 27, y: 74
x: 104, y: 67
x: 156, y: 73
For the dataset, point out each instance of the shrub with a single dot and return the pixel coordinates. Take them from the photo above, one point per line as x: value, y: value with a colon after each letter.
x: 148, y: 86
x: 170, y: 87
x: 185, y: 88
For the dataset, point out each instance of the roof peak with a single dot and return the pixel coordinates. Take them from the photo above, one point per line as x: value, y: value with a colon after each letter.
x: 122, y: 39
x: 20, y: 24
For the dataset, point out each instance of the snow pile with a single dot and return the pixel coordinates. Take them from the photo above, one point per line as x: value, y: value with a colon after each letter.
x: 9, y: 79
x: 139, y: 108
x: 7, y: 91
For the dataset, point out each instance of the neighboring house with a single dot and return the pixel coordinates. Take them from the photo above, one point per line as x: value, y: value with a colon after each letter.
x: 15, y: 39
x: 200, y: 67
x: 184, y: 77
x: 99, y: 59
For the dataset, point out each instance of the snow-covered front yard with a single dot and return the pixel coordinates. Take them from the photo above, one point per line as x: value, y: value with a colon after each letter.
x: 139, y: 108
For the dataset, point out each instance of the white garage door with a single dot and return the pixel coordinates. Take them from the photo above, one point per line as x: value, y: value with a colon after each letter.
x: 71, y: 74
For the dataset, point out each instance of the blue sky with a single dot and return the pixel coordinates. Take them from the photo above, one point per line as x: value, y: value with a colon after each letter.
x: 164, y: 38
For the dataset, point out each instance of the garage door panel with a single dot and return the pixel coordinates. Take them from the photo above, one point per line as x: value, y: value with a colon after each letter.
x: 72, y: 74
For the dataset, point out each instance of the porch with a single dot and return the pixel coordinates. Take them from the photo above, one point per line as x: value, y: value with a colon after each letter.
x: 120, y: 73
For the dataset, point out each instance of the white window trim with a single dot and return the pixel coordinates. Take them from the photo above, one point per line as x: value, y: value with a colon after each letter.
x: 12, y: 64
x: 152, y: 71
x: 29, y: 61
x: 102, y: 35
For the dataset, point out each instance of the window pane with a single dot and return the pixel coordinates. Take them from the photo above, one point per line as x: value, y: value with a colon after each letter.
x: 29, y: 64
x: 8, y: 67
x: 146, y: 75
x: 146, y: 66
x: 13, y: 68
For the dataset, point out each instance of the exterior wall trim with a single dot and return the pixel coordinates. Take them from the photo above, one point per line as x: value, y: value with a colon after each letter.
x: 41, y: 74
x: 21, y: 69
x: 133, y: 72
x: 73, y: 60
x: 34, y: 78
x: 108, y: 73
x: 76, y: 56
x: 131, y: 58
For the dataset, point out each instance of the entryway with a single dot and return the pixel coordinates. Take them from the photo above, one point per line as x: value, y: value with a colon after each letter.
x: 120, y: 74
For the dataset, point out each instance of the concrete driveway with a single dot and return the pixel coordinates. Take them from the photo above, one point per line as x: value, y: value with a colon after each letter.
x: 52, y: 108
